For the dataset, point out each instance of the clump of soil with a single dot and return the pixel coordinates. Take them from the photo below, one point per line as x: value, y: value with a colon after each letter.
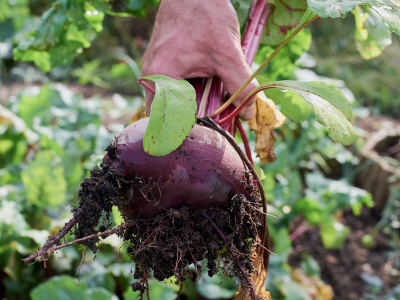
x: 165, y: 245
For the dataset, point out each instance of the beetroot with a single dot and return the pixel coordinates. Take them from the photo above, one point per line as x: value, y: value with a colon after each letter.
x: 205, y: 171
x: 198, y: 203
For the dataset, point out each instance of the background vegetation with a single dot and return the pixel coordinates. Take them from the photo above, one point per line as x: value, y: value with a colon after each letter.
x: 65, y: 93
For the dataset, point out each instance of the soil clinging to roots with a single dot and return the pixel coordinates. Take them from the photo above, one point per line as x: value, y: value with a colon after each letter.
x: 176, y: 238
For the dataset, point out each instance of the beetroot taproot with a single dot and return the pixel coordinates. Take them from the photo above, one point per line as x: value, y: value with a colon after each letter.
x: 205, y: 171
x: 198, y: 203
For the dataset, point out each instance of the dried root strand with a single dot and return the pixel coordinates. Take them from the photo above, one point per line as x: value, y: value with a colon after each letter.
x: 55, y: 239
x: 239, y: 264
x: 48, y: 248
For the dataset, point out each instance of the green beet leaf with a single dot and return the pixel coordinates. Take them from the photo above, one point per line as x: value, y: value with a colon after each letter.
x: 388, y: 10
x: 242, y: 8
x: 172, y: 115
x: 330, y: 105
x: 284, y: 15
x: 292, y: 105
x: 284, y: 63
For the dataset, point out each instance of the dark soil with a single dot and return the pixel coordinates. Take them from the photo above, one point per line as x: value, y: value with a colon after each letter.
x: 373, y: 123
x: 341, y: 269
x: 392, y: 151
x: 165, y: 245
x: 173, y: 240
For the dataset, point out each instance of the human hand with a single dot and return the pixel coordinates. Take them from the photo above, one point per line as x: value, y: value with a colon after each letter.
x: 199, y: 38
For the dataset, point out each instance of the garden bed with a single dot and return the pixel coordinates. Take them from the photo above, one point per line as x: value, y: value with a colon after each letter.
x: 342, y: 269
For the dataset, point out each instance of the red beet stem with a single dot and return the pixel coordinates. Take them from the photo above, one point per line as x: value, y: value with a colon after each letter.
x: 246, y: 145
x: 147, y: 86
x: 202, y: 108
x: 250, y: 50
x: 252, y: 28
x: 215, y: 96
x: 228, y: 126
x: 234, y: 113
x: 198, y: 85
x: 238, y: 109
x: 245, y: 140
x: 257, y: 37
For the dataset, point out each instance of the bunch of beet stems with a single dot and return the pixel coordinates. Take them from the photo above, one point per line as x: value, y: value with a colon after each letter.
x: 210, y: 94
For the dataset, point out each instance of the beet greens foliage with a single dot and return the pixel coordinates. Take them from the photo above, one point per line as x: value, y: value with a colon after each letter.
x: 172, y: 115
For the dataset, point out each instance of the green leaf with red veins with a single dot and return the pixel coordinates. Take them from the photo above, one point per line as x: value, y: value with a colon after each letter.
x: 242, y: 8
x: 172, y: 115
x: 284, y: 15
x: 388, y: 10
x: 330, y: 106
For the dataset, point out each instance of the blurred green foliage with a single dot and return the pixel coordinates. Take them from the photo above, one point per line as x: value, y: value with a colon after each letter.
x: 374, y: 82
x: 50, y: 139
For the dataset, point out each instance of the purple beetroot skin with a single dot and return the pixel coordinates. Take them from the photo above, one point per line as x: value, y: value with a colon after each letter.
x: 205, y: 171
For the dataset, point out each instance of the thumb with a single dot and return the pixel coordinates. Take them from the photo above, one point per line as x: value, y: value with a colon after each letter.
x: 233, y: 74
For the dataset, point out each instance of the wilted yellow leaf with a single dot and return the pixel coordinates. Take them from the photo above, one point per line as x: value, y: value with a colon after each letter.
x: 258, y: 280
x: 263, y: 124
x: 140, y: 113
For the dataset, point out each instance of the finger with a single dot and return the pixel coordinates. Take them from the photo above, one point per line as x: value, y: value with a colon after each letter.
x: 249, y: 112
x: 233, y: 73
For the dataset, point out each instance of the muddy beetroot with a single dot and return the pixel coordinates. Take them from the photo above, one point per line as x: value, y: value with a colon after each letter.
x: 205, y: 171
x: 199, y: 202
